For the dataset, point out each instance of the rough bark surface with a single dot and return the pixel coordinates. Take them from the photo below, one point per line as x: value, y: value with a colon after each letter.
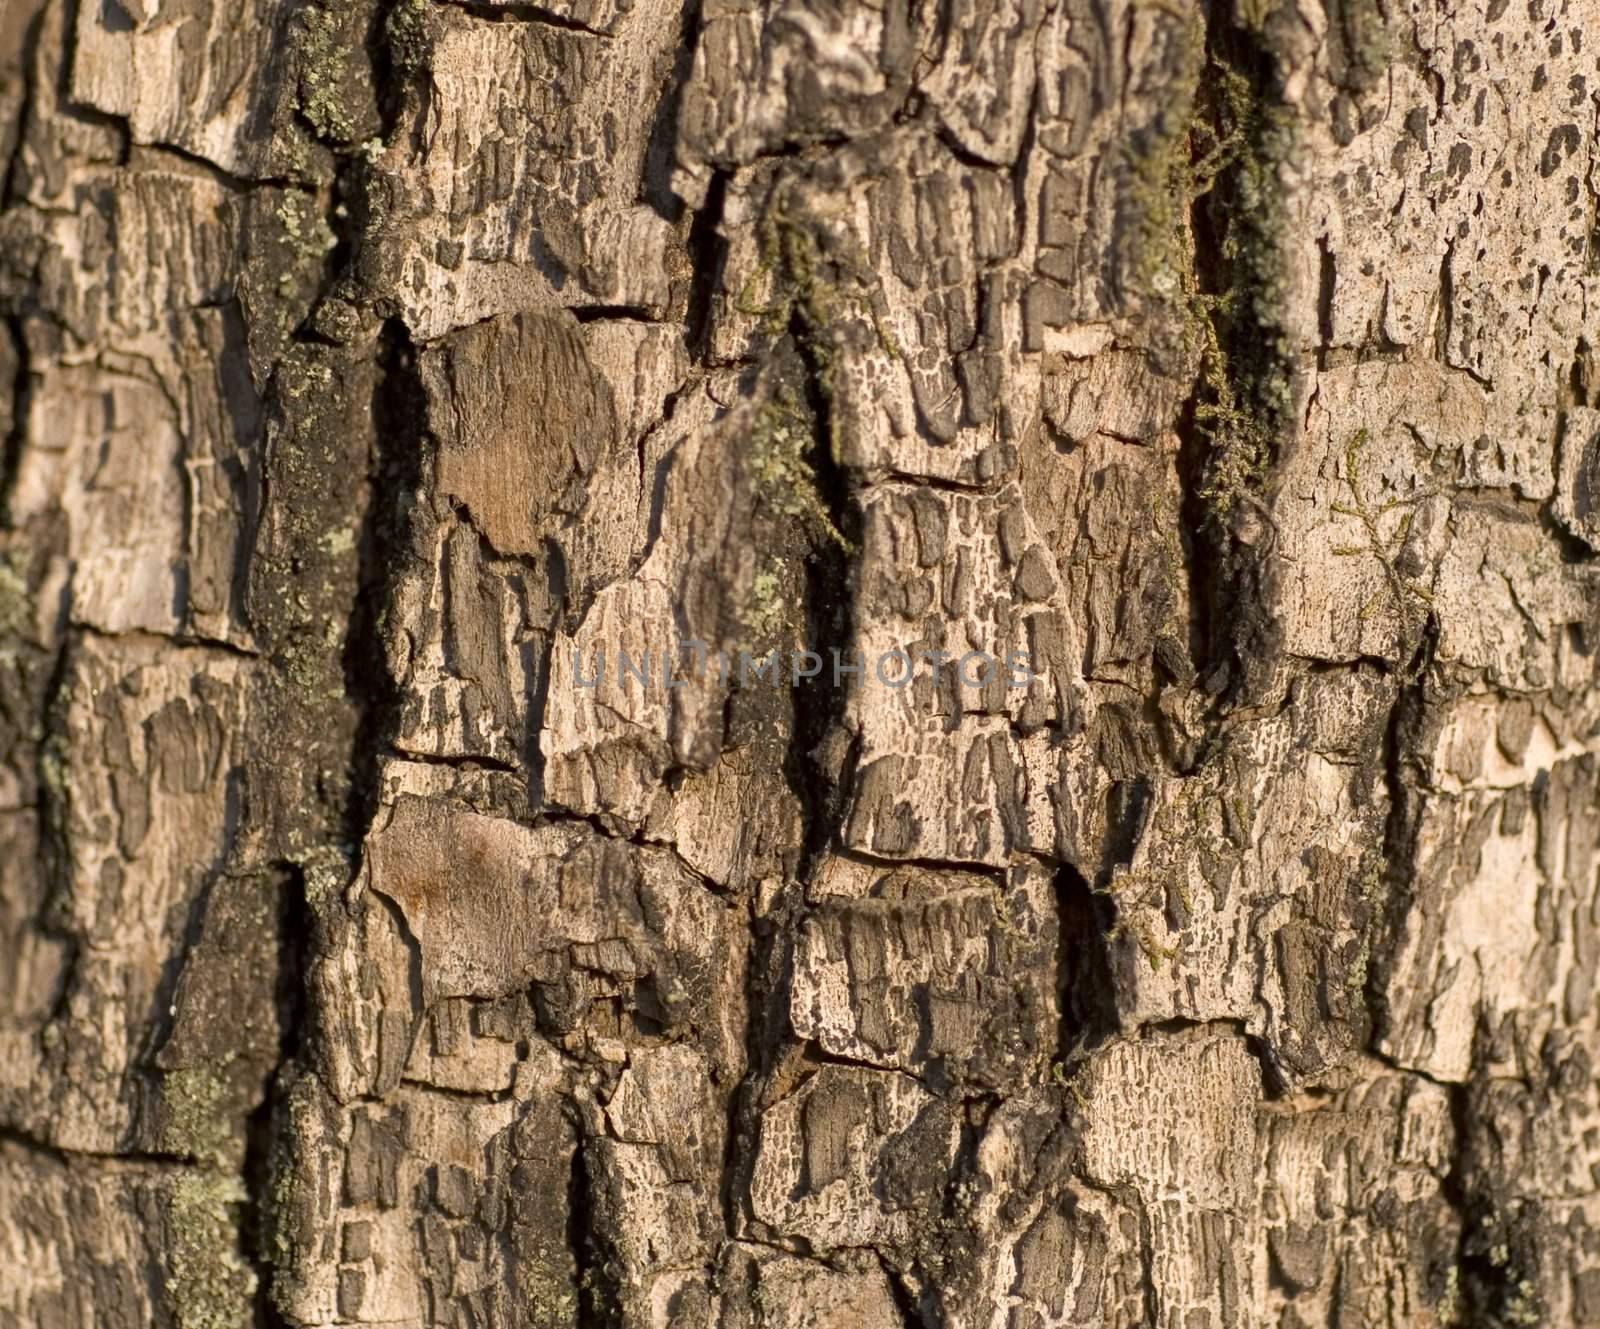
x: 374, y: 371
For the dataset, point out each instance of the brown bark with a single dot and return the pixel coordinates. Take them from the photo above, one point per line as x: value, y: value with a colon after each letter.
x: 378, y: 376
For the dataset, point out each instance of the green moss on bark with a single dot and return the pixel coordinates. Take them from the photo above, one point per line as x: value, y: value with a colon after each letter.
x: 210, y: 1284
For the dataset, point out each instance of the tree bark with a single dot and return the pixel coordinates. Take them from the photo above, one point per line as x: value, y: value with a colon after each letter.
x: 470, y: 853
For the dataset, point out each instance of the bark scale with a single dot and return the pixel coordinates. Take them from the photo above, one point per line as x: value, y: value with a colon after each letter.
x: 373, y: 370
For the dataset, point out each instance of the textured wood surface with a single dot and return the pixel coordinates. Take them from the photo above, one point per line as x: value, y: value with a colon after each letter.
x: 377, y: 376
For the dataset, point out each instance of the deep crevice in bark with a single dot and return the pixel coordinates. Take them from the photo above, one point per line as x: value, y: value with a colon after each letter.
x: 768, y: 1051
x: 661, y: 146
x: 267, y: 1125
x: 1087, y: 919
x: 915, y: 1312
x: 11, y: 446
x: 26, y: 60
x: 525, y: 13
x: 1241, y: 402
x: 396, y: 60
x: 1403, y: 777
x: 55, y: 855
x: 154, y: 1158
x: 827, y: 624
x: 76, y: 109
x: 397, y: 413
x: 1196, y: 541
x: 597, y: 1291
x: 707, y: 250
x: 1498, y: 1246
x: 616, y: 313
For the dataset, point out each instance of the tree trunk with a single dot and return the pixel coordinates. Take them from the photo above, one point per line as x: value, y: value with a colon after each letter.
x: 800, y: 664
